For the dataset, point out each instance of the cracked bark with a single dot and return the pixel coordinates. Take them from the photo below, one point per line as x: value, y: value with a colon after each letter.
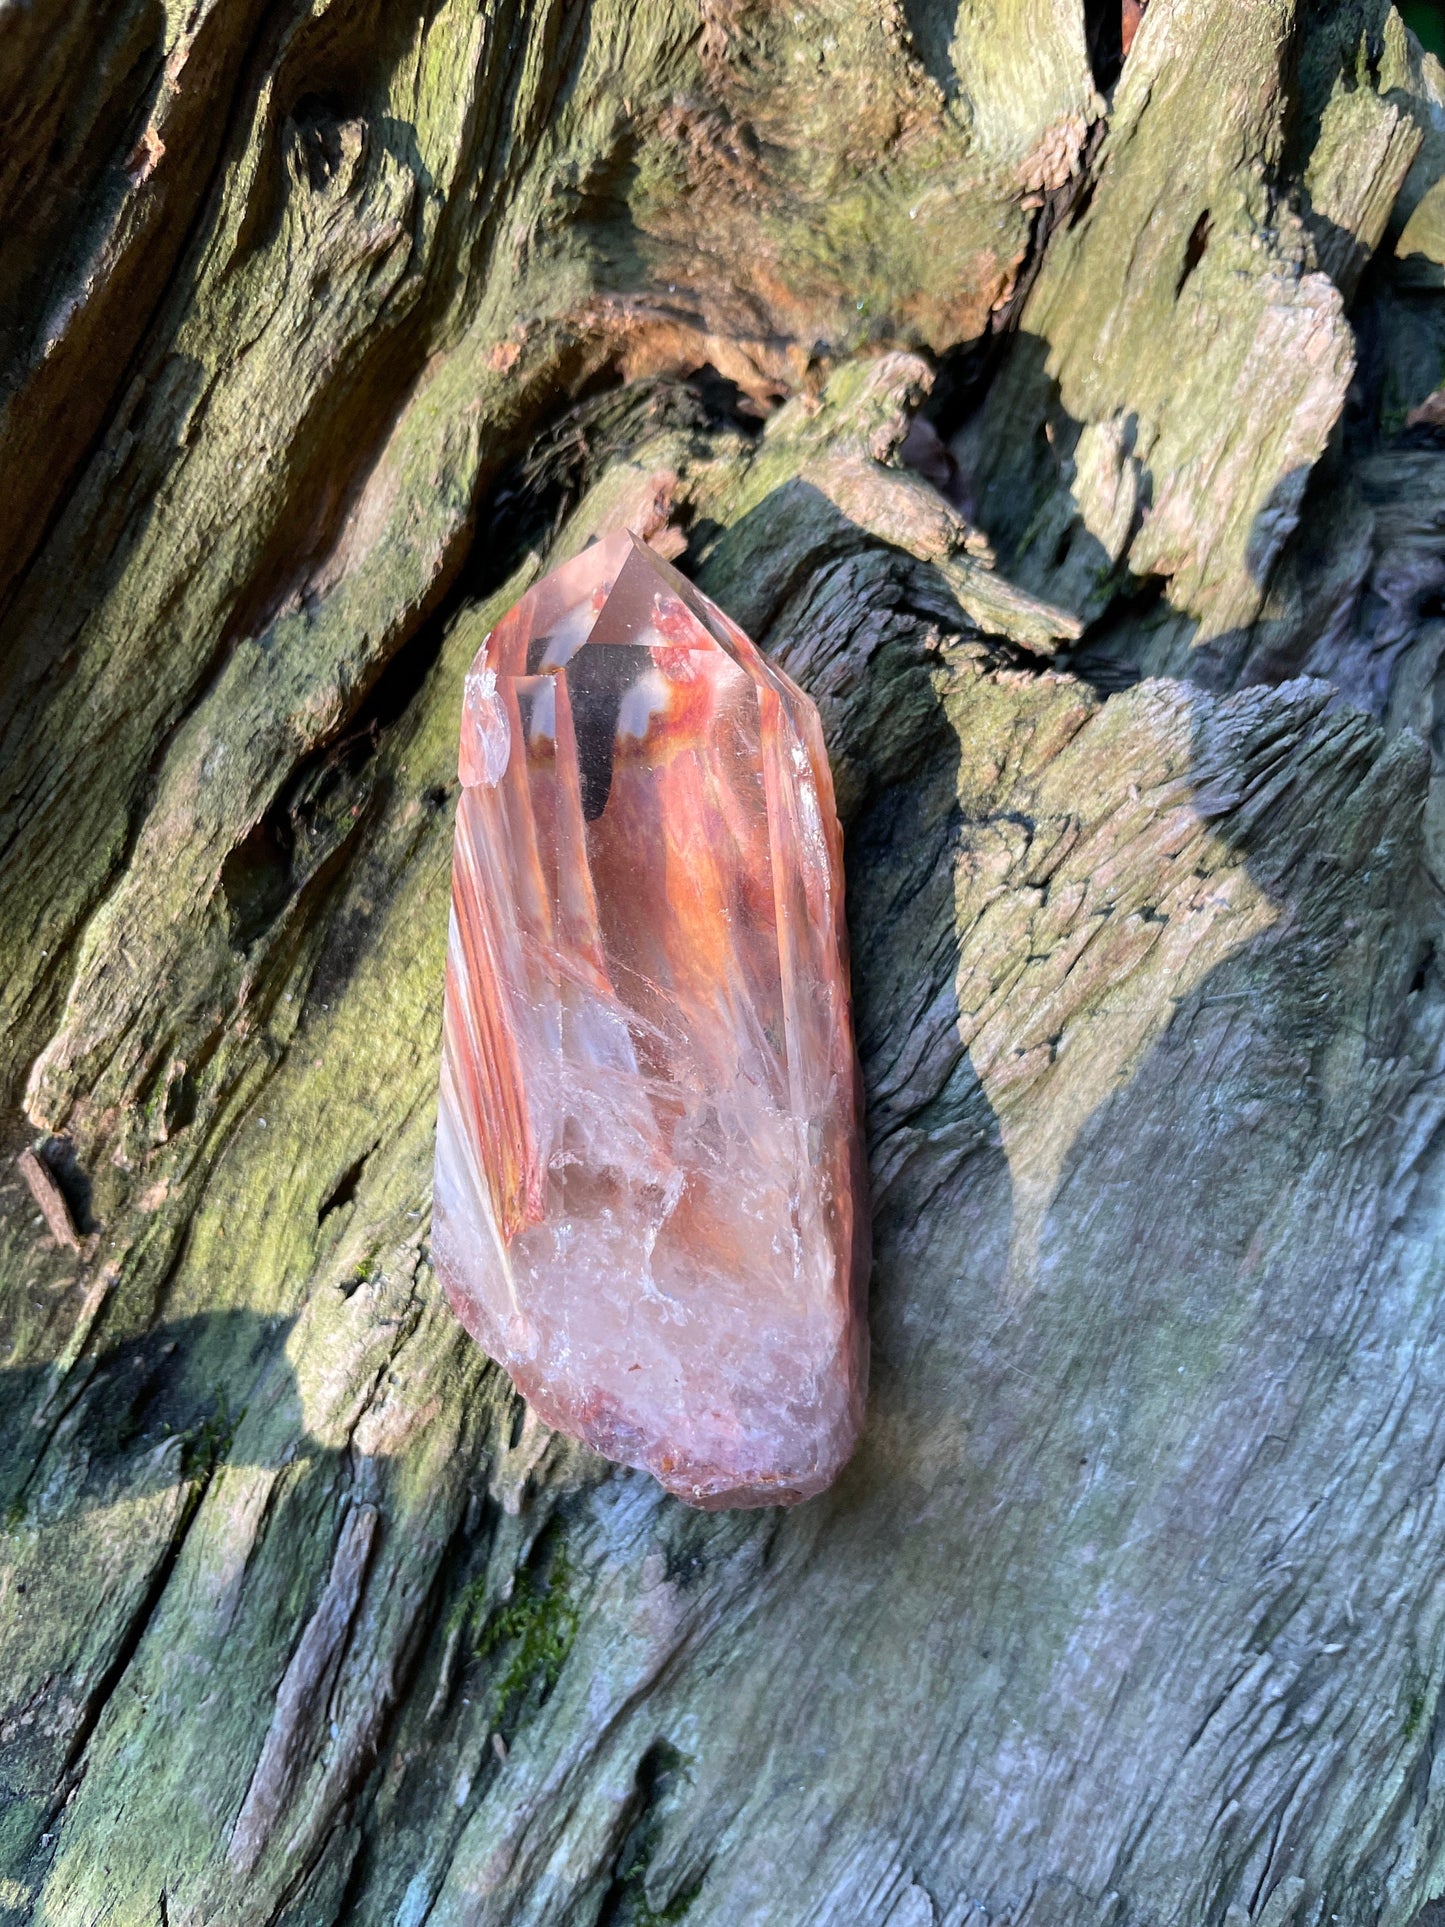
x: 324, y: 328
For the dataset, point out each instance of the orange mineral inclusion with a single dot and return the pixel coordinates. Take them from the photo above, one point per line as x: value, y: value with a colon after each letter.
x: 651, y: 1205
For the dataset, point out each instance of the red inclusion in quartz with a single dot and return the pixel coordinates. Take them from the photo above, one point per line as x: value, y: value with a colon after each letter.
x: 651, y: 1205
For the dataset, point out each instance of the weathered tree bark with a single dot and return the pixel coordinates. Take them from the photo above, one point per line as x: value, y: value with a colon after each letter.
x: 1073, y: 433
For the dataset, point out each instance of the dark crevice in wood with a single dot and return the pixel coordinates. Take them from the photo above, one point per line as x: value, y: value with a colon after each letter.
x: 930, y: 28
x: 178, y: 1107
x: 78, y: 180
x: 316, y: 126
x: 256, y: 878
x: 125, y: 1652
x: 1195, y: 250
x: 1104, y: 27
x: 344, y: 1190
x: 1101, y: 659
x: 626, y: 1902
x: 535, y: 495
x: 966, y: 374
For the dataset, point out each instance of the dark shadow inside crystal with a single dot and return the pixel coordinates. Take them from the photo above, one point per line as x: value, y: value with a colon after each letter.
x: 597, y: 681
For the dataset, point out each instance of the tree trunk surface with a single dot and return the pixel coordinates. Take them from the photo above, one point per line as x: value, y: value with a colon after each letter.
x: 1053, y: 391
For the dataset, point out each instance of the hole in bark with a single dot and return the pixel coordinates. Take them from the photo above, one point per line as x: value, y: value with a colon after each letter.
x: 1195, y: 249
x: 256, y: 878
x: 930, y: 28
x: 962, y: 382
x: 1422, y: 972
x: 1104, y: 25
x: 966, y: 373
x: 1102, y: 659
x: 179, y: 1108
x: 298, y: 838
x: 391, y: 696
x: 538, y: 492
x: 316, y: 129
x: 344, y: 1190
x: 927, y: 454
x: 627, y: 1902
x: 724, y: 403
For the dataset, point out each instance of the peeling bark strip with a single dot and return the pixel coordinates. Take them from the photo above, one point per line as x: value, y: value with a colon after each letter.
x: 293, y: 1734
x: 1055, y: 389
x: 51, y: 1200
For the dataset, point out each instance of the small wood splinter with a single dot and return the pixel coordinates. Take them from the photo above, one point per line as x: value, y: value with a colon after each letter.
x: 51, y: 1200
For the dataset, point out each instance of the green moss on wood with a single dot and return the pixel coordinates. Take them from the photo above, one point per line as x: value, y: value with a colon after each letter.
x: 532, y: 1633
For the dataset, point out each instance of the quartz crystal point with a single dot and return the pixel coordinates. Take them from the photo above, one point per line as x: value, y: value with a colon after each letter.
x: 650, y: 1201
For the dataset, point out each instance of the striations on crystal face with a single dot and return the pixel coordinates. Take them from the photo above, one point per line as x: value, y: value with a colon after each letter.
x: 651, y: 1205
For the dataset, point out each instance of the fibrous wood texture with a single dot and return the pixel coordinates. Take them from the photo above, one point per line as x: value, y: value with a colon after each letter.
x: 1073, y: 435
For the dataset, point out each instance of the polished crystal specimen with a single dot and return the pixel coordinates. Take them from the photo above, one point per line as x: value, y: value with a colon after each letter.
x: 650, y: 1201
